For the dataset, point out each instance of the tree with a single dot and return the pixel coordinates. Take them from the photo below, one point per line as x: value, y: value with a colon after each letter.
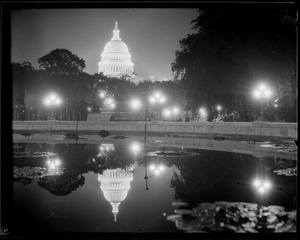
x: 21, y: 73
x: 234, y: 46
x: 62, y: 61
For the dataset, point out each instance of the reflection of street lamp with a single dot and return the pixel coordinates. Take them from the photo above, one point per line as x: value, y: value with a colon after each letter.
x: 52, y: 100
x: 53, y: 164
x: 135, y: 147
x: 262, y: 185
x: 157, y: 169
x: 262, y: 92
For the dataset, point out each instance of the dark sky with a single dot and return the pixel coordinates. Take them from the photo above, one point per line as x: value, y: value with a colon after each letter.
x: 152, y: 35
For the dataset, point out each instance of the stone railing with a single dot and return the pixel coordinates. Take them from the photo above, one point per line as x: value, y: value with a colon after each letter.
x: 247, y: 129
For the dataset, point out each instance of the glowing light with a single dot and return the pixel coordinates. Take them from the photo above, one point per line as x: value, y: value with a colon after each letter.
x: 52, y: 165
x: 52, y: 96
x: 102, y: 94
x: 157, y: 94
x: 135, y: 103
x: 262, y: 87
x: 47, y: 102
x: 152, y: 167
x: 262, y: 91
x: 162, y: 99
x: 256, y: 182
x: 161, y: 168
x: 152, y: 100
x: 57, y: 162
x: 276, y: 105
x: 201, y: 110
x: 112, y: 105
x: 52, y: 99
x: 57, y: 101
x: 156, y: 172
x: 167, y: 112
x: 219, y: 107
x: 48, y: 162
x: 135, y: 147
x: 102, y: 148
x: 109, y: 100
x: 267, y: 93
x: 261, y: 189
x: 89, y: 109
x: 267, y: 185
x: 175, y: 110
x: 256, y: 94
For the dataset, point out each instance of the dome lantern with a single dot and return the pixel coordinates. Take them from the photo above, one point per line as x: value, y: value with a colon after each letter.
x: 116, y: 33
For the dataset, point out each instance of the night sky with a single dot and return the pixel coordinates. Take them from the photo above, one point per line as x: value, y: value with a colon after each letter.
x: 152, y: 35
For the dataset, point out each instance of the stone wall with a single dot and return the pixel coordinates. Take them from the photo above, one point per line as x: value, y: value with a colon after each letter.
x: 255, y: 129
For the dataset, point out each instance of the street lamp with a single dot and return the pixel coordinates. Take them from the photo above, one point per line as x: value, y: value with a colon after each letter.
x: 219, y: 108
x: 102, y: 94
x: 170, y: 112
x: 202, y: 112
x: 52, y: 100
x: 262, y: 92
x: 110, y: 102
x: 157, y: 98
x: 136, y: 104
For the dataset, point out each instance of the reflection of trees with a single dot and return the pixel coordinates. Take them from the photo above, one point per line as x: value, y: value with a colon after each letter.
x: 197, y: 175
x: 62, y: 185
x: 118, y: 158
x: 77, y: 159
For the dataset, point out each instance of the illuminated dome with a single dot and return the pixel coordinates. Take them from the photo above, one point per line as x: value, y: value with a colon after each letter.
x: 115, y: 184
x: 115, y: 58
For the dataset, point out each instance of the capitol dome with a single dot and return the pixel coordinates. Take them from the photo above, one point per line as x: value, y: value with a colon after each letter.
x: 115, y: 58
x: 115, y: 184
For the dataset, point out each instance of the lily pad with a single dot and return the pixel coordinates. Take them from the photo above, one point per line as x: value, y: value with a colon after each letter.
x: 235, y: 217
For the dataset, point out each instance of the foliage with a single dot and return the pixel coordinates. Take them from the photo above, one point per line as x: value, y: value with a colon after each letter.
x: 232, y: 48
x: 62, y: 61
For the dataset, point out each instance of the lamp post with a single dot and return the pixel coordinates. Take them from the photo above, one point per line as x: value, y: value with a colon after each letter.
x: 136, y: 104
x: 262, y: 92
x: 219, y: 108
x: 202, y: 112
x: 52, y: 100
x: 157, y: 98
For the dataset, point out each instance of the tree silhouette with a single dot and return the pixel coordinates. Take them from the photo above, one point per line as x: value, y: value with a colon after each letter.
x: 233, y: 47
x: 62, y: 61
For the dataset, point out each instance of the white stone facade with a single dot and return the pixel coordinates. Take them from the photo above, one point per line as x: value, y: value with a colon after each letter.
x: 115, y: 58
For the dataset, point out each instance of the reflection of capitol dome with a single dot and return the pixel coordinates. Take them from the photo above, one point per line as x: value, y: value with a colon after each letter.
x: 115, y: 58
x: 115, y: 184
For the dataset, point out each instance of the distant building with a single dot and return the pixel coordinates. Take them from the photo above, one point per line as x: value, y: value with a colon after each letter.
x: 115, y: 58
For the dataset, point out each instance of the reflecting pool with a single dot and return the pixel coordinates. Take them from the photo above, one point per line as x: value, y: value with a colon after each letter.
x: 107, y: 185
